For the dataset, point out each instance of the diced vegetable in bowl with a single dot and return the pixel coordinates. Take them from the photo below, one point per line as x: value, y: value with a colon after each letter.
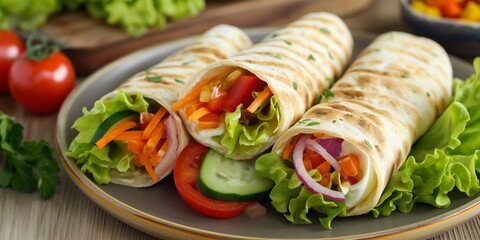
x: 455, y: 24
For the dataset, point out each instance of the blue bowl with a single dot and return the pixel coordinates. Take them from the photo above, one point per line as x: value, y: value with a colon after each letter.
x: 458, y: 38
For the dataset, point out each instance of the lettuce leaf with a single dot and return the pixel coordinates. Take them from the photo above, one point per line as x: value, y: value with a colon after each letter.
x: 445, y: 158
x: 293, y: 199
x: 249, y: 138
x: 99, y: 162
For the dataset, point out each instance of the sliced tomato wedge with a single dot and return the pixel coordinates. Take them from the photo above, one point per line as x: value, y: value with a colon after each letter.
x: 185, y: 176
x: 215, y: 104
x: 241, y: 92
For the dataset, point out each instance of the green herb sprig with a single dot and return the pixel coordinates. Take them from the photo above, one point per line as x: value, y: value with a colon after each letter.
x: 27, y: 165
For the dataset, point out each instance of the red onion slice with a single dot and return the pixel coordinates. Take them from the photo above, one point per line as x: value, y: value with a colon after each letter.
x: 308, y: 181
x: 323, y: 152
x: 332, y: 145
x: 172, y: 136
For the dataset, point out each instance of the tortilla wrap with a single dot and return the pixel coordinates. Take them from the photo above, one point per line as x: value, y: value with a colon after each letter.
x: 162, y: 84
x: 298, y: 62
x: 390, y: 95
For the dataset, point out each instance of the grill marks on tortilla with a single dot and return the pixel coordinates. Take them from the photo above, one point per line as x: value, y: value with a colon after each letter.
x: 388, y: 97
x: 291, y: 63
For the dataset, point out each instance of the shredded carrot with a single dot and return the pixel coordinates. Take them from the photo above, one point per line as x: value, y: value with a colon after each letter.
x: 193, y: 107
x: 198, y: 114
x: 141, y: 160
x: 154, y: 122
x: 113, y: 132
x: 154, y: 159
x: 314, y: 157
x: 135, y: 146
x: 130, y: 135
x: 192, y: 96
x: 324, y: 168
x: 145, y: 118
x: 207, y: 125
x: 150, y: 171
x: 261, y: 98
x: 325, y: 179
x: 288, y: 151
x: 163, y: 149
x: 308, y: 164
x: 318, y: 134
x: 349, y: 165
x: 154, y: 138
x: 211, y: 117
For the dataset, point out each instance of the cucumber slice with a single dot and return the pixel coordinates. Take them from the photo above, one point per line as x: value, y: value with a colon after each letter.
x: 109, y: 122
x: 231, y: 180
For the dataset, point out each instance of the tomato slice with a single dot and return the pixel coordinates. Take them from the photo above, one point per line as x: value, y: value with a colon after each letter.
x: 185, y: 176
x: 241, y: 92
x: 216, y: 100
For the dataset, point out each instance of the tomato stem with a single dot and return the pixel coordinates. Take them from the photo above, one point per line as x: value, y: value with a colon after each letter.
x: 39, y: 47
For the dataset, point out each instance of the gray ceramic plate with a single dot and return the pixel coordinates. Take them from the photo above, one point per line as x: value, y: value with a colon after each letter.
x: 160, y: 211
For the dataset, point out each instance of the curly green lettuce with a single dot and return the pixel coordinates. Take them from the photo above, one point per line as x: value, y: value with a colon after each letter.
x: 239, y: 137
x: 444, y: 159
x: 138, y: 16
x: 100, y: 162
x: 294, y: 200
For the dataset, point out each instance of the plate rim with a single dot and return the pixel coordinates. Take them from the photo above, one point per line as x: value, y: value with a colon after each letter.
x: 159, y: 227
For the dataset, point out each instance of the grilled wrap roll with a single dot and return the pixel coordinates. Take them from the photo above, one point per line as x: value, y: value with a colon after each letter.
x: 145, y: 153
x: 239, y: 106
x: 390, y: 95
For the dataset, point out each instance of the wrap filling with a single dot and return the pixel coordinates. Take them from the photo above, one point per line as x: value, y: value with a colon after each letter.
x: 235, y: 109
x: 122, y: 135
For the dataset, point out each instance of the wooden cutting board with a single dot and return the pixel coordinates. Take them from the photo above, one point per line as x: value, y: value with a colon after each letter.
x: 91, y: 43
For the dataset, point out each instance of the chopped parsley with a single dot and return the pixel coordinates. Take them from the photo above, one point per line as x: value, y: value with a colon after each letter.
x: 406, y: 75
x: 328, y: 93
x: 295, y: 85
x: 304, y: 121
x: 179, y: 81
x: 288, y: 42
x: 330, y: 55
x: 27, y: 165
x: 311, y: 57
x: 318, y: 98
x: 367, y: 143
x: 188, y: 62
x: 324, y: 30
x: 154, y: 78
x: 313, y: 123
x: 331, y: 80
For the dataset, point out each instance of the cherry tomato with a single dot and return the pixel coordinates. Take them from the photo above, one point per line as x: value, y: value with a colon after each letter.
x: 11, y: 46
x: 41, y: 86
x: 185, y: 176
x: 241, y: 92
